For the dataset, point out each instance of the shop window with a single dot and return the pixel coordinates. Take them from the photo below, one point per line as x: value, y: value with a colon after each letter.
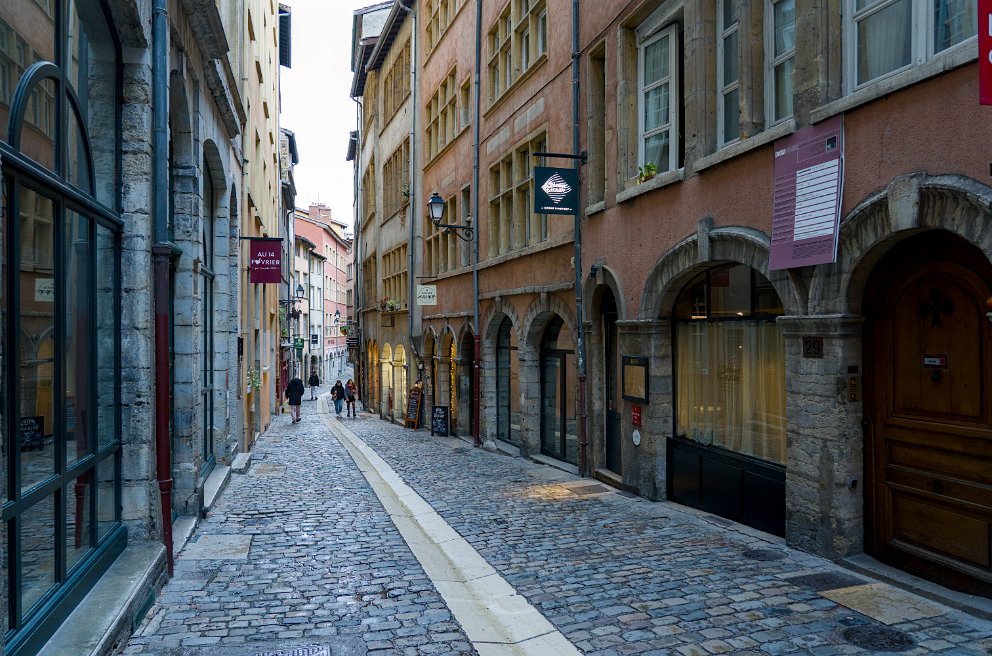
x: 730, y: 364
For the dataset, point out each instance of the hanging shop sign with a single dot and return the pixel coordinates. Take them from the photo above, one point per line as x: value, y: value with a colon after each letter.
x: 427, y: 294
x: 985, y: 52
x: 556, y: 190
x: 809, y: 183
x: 265, y: 260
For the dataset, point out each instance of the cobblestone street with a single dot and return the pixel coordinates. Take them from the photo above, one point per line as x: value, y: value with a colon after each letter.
x: 299, y: 551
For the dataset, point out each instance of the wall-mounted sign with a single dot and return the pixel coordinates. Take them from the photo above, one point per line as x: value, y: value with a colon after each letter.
x: 298, y: 343
x: 635, y: 415
x: 809, y: 183
x: 812, y: 346
x: 985, y: 52
x: 635, y: 378
x: 314, y: 339
x: 264, y: 260
x: 636, y: 437
x: 556, y: 190
x: 935, y: 361
x: 426, y: 294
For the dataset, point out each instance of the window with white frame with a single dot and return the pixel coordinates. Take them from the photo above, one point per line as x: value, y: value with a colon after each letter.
x: 658, y: 98
x: 728, y: 71
x: 886, y: 36
x: 780, y: 19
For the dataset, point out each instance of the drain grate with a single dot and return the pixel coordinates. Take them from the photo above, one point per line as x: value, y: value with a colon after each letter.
x: 764, y: 555
x: 878, y: 638
x: 824, y: 581
x: 296, y: 651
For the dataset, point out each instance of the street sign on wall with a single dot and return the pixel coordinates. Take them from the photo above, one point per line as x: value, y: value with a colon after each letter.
x: 426, y: 294
x: 556, y: 190
x: 265, y: 260
x: 985, y: 52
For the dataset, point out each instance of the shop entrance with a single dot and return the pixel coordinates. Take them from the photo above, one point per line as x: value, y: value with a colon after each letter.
x: 928, y: 450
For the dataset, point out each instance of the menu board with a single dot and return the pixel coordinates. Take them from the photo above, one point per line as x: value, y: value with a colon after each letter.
x: 412, y: 418
x: 439, y: 420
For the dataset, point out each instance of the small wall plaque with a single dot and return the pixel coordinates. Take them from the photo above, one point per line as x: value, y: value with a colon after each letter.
x: 812, y: 346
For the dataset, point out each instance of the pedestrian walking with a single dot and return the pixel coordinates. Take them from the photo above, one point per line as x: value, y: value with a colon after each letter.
x: 351, y: 390
x: 337, y: 393
x: 294, y: 394
x: 314, y: 383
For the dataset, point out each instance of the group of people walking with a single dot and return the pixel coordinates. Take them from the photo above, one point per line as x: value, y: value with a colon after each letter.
x: 340, y: 394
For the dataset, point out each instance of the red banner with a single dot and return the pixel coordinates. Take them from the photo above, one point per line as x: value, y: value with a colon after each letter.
x: 265, y: 262
x: 985, y: 52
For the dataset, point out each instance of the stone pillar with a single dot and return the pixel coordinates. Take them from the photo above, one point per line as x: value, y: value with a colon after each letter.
x: 488, y: 393
x: 595, y: 400
x: 825, y: 466
x: 529, y: 371
x: 644, y: 465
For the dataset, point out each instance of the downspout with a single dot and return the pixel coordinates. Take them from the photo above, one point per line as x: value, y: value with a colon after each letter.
x: 580, y: 341
x: 477, y: 338
x: 411, y: 250
x: 356, y: 257
x: 161, y: 254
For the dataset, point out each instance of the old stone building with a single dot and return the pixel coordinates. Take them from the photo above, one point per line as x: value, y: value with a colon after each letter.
x: 122, y: 169
x: 784, y: 263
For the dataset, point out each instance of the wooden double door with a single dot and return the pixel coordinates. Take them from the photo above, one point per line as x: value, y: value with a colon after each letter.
x: 928, y: 406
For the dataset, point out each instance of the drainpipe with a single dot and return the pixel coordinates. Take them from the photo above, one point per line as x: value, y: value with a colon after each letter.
x: 580, y: 340
x: 477, y: 338
x: 356, y: 257
x: 161, y: 254
x: 411, y: 250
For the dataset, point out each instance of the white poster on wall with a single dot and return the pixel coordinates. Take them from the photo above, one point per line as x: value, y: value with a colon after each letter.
x: 426, y: 294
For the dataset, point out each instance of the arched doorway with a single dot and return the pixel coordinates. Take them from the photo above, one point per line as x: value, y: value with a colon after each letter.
x: 466, y: 382
x: 928, y: 443
x: 386, y: 407
x: 429, y: 373
x: 729, y: 451
x: 611, y: 367
x: 372, y: 393
x: 399, y: 377
x: 507, y: 384
x: 559, y: 430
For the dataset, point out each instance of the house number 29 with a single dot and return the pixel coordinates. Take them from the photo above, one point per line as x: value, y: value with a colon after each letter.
x: 812, y: 346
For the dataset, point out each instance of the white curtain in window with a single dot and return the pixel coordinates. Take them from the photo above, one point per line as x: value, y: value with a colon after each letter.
x: 954, y: 21
x: 730, y: 386
x: 884, y: 40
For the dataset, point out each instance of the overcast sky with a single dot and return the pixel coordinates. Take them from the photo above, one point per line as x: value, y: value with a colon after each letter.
x: 316, y: 102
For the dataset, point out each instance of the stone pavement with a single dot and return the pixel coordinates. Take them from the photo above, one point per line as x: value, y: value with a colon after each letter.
x: 299, y: 551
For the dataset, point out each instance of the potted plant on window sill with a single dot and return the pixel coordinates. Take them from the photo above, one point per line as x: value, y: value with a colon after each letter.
x: 646, y: 172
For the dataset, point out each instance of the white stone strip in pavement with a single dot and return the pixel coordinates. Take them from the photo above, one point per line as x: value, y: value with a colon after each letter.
x: 497, y: 620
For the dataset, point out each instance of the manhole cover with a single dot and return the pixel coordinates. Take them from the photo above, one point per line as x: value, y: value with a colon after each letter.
x: 824, y: 581
x: 764, y: 554
x: 878, y: 638
x: 295, y: 651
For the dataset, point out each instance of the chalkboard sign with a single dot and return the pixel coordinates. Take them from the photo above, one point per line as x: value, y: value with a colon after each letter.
x: 413, y: 407
x: 439, y: 420
x: 32, y: 432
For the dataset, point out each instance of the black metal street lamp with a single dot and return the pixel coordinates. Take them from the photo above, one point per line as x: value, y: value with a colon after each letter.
x: 435, y: 206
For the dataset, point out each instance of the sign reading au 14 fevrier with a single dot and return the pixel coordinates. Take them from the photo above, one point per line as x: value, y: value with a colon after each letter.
x: 985, y: 52
x: 265, y: 261
x: 556, y: 190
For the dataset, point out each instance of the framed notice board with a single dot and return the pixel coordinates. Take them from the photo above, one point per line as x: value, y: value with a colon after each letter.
x: 440, y: 420
x: 635, y: 378
x: 412, y: 419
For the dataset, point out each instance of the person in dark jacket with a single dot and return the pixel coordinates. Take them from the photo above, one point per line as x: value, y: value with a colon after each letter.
x: 338, y: 394
x: 314, y: 383
x: 294, y: 394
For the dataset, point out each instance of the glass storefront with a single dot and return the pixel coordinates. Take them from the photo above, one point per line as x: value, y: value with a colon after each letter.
x: 60, y: 309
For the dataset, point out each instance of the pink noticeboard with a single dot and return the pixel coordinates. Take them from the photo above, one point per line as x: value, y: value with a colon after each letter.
x: 809, y: 182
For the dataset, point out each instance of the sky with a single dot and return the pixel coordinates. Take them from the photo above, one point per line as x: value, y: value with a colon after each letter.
x: 316, y: 102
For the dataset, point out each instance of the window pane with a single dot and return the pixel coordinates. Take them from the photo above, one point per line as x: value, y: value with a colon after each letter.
x: 38, y: 128
x: 785, y: 26
x: 731, y: 58
x: 27, y: 35
x: 783, y: 89
x: 37, y: 552
x: 730, y: 291
x: 76, y: 339
x: 731, y: 115
x: 78, y: 529
x: 36, y: 377
x: 731, y: 386
x: 106, y: 338
x: 656, y: 149
x: 729, y: 13
x: 884, y: 40
x: 656, y: 107
x: 954, y: 21
x: 656, y: 61
x: 77, y: 170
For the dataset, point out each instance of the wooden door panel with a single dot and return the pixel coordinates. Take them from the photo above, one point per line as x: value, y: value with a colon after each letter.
x: 911, y: 457
x: 940, y: 529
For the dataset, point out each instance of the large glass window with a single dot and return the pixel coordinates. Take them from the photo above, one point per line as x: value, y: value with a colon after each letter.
x: 886, y: 36
x: 730, y: 364
x: 60, y: 305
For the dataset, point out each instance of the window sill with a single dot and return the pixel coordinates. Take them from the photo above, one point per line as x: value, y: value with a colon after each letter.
x: 658, y: 181
x: 436, y: 156
x: 742, y: 146
x: 595, y: 208
x: 551, y: 242
x: 507, y: 92
x: 955, y: 58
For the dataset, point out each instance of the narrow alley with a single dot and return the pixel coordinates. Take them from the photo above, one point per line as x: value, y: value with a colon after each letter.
x: 300, y: 557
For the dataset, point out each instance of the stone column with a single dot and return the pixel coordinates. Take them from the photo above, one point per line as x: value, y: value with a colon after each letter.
x: 825, y: 465
x: 529, y: 372
x: 644, y: 465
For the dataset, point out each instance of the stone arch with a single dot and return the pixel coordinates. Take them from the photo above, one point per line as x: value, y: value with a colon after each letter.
x: 688, y: 257
x: 540, y: 312
x: 499, y: 310
x: 604, y: 281
x: 399, y: 379
x: 909, y: 205
x: 387, y: 396
x: 593, y: 287
x: 464, y: 371
x: 493, y: 318
x: 442, y: 360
